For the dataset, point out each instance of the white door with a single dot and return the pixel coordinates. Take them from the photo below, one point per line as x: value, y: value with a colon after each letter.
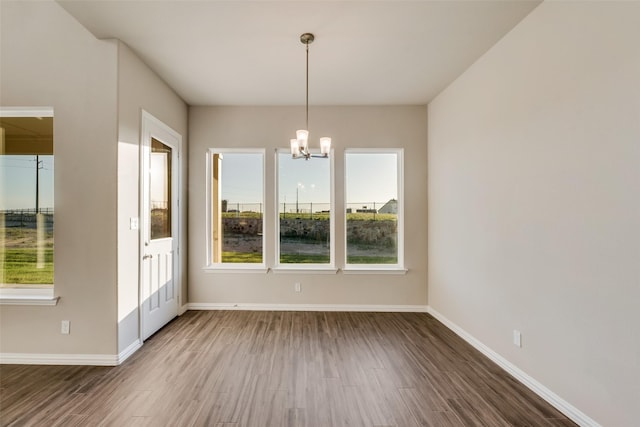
x: 159, y: 268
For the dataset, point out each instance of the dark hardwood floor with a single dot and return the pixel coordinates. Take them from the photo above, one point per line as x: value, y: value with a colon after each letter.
x: 240, y: 368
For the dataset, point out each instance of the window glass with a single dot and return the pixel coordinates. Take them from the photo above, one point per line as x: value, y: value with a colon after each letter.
x: 304, y: 208
x: 372, y: 206
x: 26, y: 200
x: 237, y: 203
x: 160, y: 190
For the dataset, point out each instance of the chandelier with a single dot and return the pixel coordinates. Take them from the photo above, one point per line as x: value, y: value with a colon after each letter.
x: 300, y: 145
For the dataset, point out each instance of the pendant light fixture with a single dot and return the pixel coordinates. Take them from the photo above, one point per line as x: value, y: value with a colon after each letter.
x: 300, y: 145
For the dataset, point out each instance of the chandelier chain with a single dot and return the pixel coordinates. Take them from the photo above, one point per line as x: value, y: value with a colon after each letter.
x: 307, y: 99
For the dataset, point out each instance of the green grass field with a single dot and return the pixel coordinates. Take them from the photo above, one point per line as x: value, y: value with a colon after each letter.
x: 303, y: 259
x: 241, y: 257
x: 238, y: 257
x: 372, y: 260
x: 20, y: 267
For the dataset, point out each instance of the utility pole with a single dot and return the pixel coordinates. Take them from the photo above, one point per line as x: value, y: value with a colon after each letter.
x: 298, y: 186
x: 40, y: 220
x: 39, y: 165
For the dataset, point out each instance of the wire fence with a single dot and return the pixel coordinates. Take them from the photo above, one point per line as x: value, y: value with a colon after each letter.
x: 32, y: 211
x: 311, y: 210
x: 304, y: 208
x: 242, y: 210
x: 26, y: 218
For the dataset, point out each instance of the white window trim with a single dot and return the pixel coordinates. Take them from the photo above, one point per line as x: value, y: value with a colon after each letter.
x: 329, y: 268
x: 399, y: 267
x: 236, y: 268
x: 16, y: 295
x: 304, y: 268
x: 374, y: 270
x: 228, y: 267
x: 26, y: 111
x: 28, y: 296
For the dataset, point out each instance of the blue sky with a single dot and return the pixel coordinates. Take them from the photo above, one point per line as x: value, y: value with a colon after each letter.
x: 18, y: 184
x: 371, y: 177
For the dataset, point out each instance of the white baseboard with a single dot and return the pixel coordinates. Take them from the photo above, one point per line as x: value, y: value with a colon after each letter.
x: 307, y: 307
x: 556, y: 401
x: 183, y: 309
x: 127, y: 352
x: 69, y: 359
x: 58, y: 359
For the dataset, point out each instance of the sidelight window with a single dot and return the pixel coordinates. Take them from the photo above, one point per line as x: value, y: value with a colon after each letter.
x: 236, y: 207
x: 373, y: 208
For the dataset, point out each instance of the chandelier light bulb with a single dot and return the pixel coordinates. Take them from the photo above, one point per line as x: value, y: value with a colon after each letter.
x: 325, y: 145
x: 295, y: 148
x: 302, y: 134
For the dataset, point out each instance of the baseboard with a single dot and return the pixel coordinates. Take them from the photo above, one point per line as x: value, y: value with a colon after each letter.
x: 556, y: 401
x: 58, y: 359
x: 69, y: 359
x: 307, y: 307
x: 183, y: 309
x: 127, y: 352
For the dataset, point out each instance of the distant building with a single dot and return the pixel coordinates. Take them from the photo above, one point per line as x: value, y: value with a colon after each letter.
x: 391, y: 207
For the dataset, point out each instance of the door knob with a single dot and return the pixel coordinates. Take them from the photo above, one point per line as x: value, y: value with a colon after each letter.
x: 147, y: 256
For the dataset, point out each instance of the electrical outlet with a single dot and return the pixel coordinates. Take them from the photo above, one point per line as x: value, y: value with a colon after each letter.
x: 297, y: 286
x: 65, y: 327
x: 517, y: 338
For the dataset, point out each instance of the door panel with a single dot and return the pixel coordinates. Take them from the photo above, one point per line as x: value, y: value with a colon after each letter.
x: 159, y: 287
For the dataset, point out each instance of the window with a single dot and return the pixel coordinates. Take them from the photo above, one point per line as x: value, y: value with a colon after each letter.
x: 236, y: 204
x: 160, y: 190
x: 373, y: 193
x: 305, y: 220
x: 304, y: 211
x: 26, y: 201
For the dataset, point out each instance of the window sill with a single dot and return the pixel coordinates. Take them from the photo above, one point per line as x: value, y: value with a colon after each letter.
x: 306, y: 269
x: 374, y: 270
x: 17, y: 296
x: 236, y: 268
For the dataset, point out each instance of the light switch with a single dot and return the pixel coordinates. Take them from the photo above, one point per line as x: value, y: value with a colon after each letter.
x: 133, y: 223
x: 517, y: 338
x: 65, y: 327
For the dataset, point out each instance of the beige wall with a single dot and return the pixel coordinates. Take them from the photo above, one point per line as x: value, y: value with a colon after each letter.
x: 139, y: 88
x: 48, y: 59
x: 271, y: 128
x: 98, y: 90
x: 534, y: 203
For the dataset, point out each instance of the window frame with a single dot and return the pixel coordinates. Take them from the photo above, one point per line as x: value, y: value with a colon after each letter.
x: 330, y: 267
x: 42, y: 295
x: 227, y: 267
x: 399, y: 267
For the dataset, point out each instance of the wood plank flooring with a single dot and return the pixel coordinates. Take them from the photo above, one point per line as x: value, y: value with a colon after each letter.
x: 241, y: 368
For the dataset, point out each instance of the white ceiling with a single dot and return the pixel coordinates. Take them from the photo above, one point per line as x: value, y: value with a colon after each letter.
x: 249, y: 52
